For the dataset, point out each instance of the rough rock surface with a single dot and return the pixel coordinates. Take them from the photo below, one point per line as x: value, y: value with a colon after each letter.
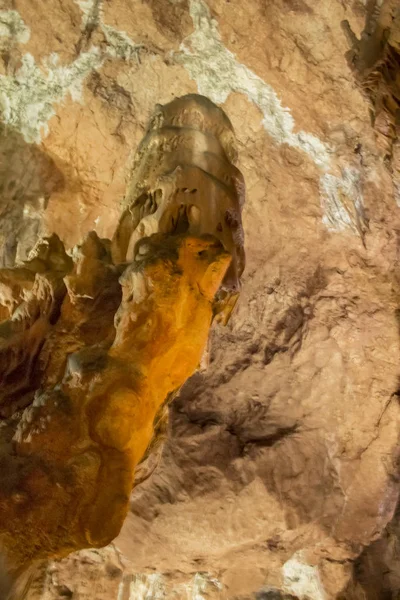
x: 94, y: 345
x: 279, y: 475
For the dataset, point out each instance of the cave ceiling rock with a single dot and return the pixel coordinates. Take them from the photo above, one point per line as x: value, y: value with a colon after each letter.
x: 217, y: 72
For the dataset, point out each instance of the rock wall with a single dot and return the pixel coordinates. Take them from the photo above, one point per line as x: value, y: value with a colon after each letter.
x: 278, y: 476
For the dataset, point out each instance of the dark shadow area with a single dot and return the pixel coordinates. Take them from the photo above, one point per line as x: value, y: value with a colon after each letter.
x: 375, y: 62
x: 377, y: 570
x: 28, y: 177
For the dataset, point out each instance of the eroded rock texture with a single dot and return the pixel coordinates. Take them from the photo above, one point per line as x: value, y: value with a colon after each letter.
x: 277, y: 473
x: 91, y: 348
x: 375, y: 59
x: 184, y: 181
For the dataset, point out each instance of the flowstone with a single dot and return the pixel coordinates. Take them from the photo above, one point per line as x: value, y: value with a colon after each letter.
x: 92, y: 345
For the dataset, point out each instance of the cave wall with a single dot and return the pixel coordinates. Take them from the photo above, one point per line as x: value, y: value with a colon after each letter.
x: 279, y: 465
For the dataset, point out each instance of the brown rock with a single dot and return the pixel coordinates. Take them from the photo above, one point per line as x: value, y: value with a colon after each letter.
x: 93, y: 349
x: 279, y: 474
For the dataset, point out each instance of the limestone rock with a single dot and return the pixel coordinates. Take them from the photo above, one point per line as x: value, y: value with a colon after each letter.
x: 375, y: 61
x: 184, y: 181
x: 277, y: 474
x: 92, y: 349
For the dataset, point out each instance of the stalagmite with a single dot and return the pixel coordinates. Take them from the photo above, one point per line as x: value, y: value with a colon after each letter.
x: 92, y: 344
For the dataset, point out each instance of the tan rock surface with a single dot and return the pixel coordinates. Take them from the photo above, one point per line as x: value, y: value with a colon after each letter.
x: 94, y: 345
x: 281, y: 461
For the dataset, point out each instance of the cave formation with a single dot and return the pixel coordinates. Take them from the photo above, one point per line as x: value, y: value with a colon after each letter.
x: 95, y: 342
x: 254, y: 459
